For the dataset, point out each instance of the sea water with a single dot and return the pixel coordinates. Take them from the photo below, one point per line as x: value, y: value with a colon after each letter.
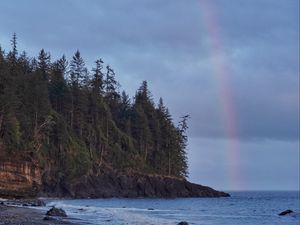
x: 242, y: 208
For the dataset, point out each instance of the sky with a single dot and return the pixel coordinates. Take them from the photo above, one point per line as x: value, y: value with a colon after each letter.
x: 233, y: 66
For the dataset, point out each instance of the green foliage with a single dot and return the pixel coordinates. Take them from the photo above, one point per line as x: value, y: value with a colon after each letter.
x: 71, y: 119
x: 11, y: 133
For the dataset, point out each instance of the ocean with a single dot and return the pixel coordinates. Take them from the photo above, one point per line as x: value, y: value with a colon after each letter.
x: 242, y: 208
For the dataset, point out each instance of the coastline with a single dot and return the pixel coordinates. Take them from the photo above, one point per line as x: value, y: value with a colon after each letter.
x: 255, y: 207
x: 16, y: 215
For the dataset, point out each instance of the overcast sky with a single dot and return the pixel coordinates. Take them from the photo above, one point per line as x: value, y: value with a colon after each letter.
x: 231, y: 65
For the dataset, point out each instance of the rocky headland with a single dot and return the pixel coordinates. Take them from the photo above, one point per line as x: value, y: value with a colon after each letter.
x: 24, y: 179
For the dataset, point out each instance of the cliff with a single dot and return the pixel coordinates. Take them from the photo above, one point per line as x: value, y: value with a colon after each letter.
x: 23, y: 179
x: 19, y: 179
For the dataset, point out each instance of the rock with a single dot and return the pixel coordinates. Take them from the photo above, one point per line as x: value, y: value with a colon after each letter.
x: 286, y: 212
x: 183, y: 223
x: 38, y: 202
x: 50, y: 218
x: 150, y: 209
x: 105, y: 183
x: 56, y: 212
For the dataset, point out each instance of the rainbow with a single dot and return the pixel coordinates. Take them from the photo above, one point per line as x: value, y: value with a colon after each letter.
x: 222, y: 72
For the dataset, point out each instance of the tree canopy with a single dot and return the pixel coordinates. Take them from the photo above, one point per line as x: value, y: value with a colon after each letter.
x: 60, y: 114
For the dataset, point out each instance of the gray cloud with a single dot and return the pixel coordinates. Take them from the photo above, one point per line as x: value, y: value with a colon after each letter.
x: 259, y: 163
x: 166, y: 42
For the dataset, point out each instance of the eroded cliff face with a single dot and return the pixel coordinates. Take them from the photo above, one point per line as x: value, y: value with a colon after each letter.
x: 22, y: 179
x: 19, y: 179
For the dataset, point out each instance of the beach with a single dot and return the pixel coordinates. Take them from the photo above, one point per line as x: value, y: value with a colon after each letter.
x: 15, y: 215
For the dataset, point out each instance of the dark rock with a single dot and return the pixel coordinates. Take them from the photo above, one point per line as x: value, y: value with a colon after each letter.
x: 37, y: 203
x: 183, y: 223
x: 56, y: 212
x: 103, y: 182
x: 150, y: 209
x: 50, y: 218
x: 106, y: 183
x: 286, y: 212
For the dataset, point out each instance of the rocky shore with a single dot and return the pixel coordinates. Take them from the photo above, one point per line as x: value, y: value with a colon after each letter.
x: 13, y: 214
x: 25, y: 180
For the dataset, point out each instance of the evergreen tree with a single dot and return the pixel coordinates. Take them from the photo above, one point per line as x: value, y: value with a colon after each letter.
x: 97, y: 82
x: 182, y: 139
x: 57, y: 86
x: 9, y: 127
x: 3, y: 74
x: 44, y: 63
x: 77, y: 70
x: 24, y: 63
x: 79, y: 107
x: 111, y: 85
x: 14, y: 46
x: 13, y: 54
x: 144, y: 124
x: 125, y: 113
x: 70, y: 119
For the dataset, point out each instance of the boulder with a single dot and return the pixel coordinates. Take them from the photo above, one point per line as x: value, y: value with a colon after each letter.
x: 50, y: 218
x: 183, y: 223
x: 56, y: 212
x: 286, y: 212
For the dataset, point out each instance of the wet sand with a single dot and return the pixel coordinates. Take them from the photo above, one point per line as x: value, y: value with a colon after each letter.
x: 12, y: 215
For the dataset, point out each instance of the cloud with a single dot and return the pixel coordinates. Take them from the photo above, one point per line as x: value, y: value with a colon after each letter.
x: 166, y: 42
x: 260, y: 164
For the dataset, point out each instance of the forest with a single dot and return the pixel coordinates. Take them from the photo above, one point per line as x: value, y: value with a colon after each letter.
x: 62, y: 115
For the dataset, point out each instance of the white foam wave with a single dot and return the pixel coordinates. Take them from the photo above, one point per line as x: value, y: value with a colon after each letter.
x: 112, y: 215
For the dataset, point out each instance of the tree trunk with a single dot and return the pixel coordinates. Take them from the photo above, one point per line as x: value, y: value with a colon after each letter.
x: 90, y: 150
x: 169, y: 162
x: 107, y: 131
x: 146, y: 154
x: 1, y: 119
x: 101, y: 154
x: 72, y: 111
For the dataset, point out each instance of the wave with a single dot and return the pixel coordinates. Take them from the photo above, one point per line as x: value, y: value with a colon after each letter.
x: 113, y: 215
x: 239, y: 209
